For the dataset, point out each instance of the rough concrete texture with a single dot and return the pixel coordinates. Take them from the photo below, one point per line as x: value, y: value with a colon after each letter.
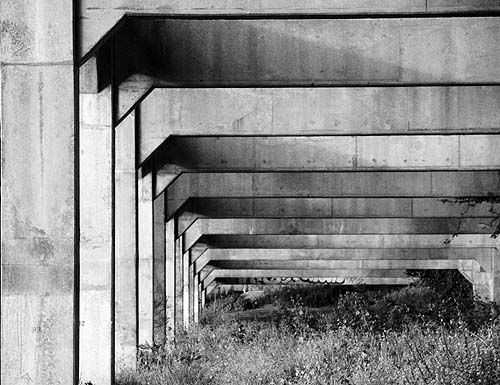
x: 308, y: 273
x: 145, y: 247
x: 98, y: 19
x: 359, y: 226
x: 220, y: 255
x: 379, y: 241
x: 96, y: 237
x: 331, y: 184
x: 437, y: 264
x: 170, y: 277
x: 125, y: 246
x: 159, y: 271
x: 181, y: 154
x: 317, y: 111
x: 37, y: 193
x: 324, y: 208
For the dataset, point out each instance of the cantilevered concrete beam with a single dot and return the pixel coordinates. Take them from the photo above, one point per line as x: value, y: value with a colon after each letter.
x: 365, y: 51
x: 383, y: 264
x: 380, y: 241
x: 328, y: 153
x: 317, y: 111
x: 215, y: 256
x: 196, y: 208
x: 337, y: 226
x: 416, y: 184
x: 97, y: 19
x: 284, y: 274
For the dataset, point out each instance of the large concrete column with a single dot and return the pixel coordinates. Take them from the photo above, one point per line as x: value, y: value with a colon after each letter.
x: 179, y: 285
x: 38, y: 194
x: 159, y: 294
x: 486, y: 277
x: 125, y: 246
x: 96, y: 141
x: 145, y: 247
x: 170, y: 277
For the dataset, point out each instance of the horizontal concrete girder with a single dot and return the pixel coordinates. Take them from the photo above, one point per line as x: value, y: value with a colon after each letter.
x: 271, y: 226
x: 209, y: 255
x: 325, y: 208
x: 437, y: 264
x: 416, y: 184
x: 322, y: 51
x: 328, y: 153
x: 284, y: 274
x: 98, y: 18
x: 317, y: 111
x: 380, y: 241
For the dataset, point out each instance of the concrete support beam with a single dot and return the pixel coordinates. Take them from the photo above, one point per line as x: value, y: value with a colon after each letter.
x: 416, y: 184
x: 179, y: 286
x: 367, y: 51
x: 96, y: 238
x: 382, y: 264
x: 379, y: 241
x: 97, y: 19
x: 486, y: 278
x: 289, y: 274
x: 159, y: 271
x: 328, y: 153
x: 125, y: 247
x: 289, y: 255
x: 197, y: 208
x: 170, y: 277
x: 186, y: 288
x: 39, y: 241
x: 145, y: 264
x: 303, y: 226
x: 317, y: 111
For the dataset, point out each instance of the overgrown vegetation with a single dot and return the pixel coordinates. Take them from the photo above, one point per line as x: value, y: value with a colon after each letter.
x: 432, y: 333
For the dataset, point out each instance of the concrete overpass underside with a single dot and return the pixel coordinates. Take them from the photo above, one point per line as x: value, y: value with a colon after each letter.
x: 152, y: 153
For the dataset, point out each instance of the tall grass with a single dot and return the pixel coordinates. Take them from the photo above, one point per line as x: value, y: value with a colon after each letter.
x: 410, y: 336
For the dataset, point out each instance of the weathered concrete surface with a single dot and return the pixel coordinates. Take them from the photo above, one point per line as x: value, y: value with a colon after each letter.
x: 38, y: 251
x: 379, y: 241
x: 96, y: 255
x: 317, y: 111
x: 294, y: 226
x: 328, y: 153
x: 382, y: 264
x: 159, y: 271
x: 145, y: 265
x: 170, y: 277
x: 324, y: 208
x: 331, y: 184
x: 96, y: 18
x: 308, y: 273
x: 125, y: 246
x: 219, y: 255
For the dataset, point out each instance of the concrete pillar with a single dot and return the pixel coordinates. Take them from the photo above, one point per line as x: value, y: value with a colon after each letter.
x: 39, y: 248
x: 125, y: 246
x: 186, y: 282
x: 96, y: 198
x: 159, y: 297
x: 145, y: 247
x: 179, y: 286
x: 170, y: 277
x: 196, y: 298
x: 486, y: 277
